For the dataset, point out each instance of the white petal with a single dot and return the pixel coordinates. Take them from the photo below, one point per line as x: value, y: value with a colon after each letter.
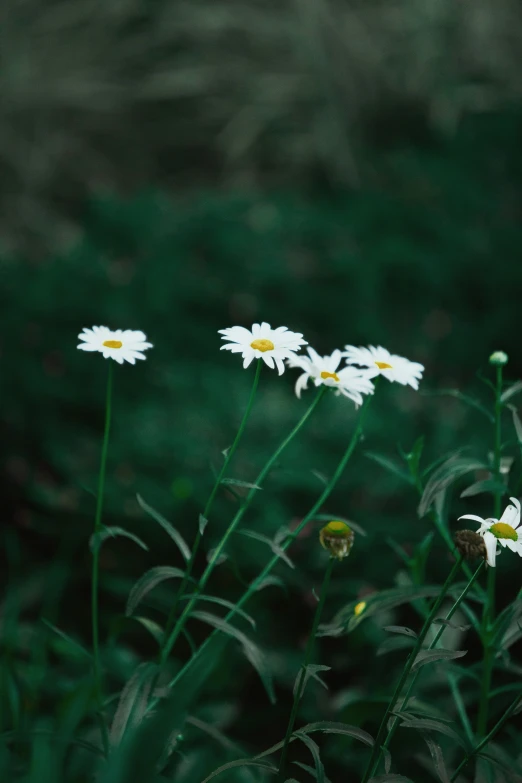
x: 474, y: 517
x: 268, y: 360
x: 301, y: 384
x: 280, y: 365
x: 248, y: 359
x: 88, y: 347
x: 510, y: 516
x: 491, y: 548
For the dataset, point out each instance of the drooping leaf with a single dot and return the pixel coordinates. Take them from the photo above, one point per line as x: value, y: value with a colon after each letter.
x: 446, y: 474
x: 394, y: 643
x: 202, y: 524
x: 402, y: 629
x: 311, y: 671
x: 390, y: 778
x: 74, y: 645
x: 430, y: 724
x: 516, y: 422
x: 389, y: 465
x: 133, y: 701
x: 311, y: 771
x: 277, y: 550
x: 148, y: 582
x: 167, y: 527
x: 314, y: 750
x: 270, y: 581
x: 438, y: 757
x: 336, y: 727
x: 487, y: 485
x: 465, y: 398
x: 97, y: 539
x: 231, y: 482
x: 515, y: 388
x: 155, y: 630
x: 251, y: 650
x: 242, y: 763
x: 451, y: 624
x: 222, y: 602
x: 431, y: 656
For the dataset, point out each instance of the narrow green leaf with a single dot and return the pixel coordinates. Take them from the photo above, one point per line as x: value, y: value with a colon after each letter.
x: 239, y: 483
x: 167, y: 527
x: 148, y: 582
x: 431, y: 656
x: 487, y: 485
x: 413, y: 458
x: 516, y: 422
x: 277, y: 550
x: 389, y: 465
x: 97, y: 539
x: 465, y: 398
x: 451, y: 624
x: 515, y: 388
x: 394, y: 643
x: 446, y: 474
x: 430, y: 724
x: 202, y: 524
x: 400, y: 629
x: 222, y: 602
x: 133, y: 701
x: 336, y: 727
x: 270, y: 581
x: 251, y: 650
x: 242, y: 763
x: 70, y: 641
x: 155, y: 630
x: 390, y: 779
x: 311, y: 671
x: 438, y: 758
x: 314, y: 750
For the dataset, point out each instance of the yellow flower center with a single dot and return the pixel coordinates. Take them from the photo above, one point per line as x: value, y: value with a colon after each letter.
x: 359, y: 608
x: 262, y: 345
x: 325, y: 375
x: 503, y: 530
x: 384, y: 366
x: 337, y: 527
x: 113, y: 343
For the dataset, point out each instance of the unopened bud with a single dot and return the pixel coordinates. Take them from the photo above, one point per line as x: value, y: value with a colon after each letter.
x: 499, y: 358
x: 337, y: 538
x: 470, y: 544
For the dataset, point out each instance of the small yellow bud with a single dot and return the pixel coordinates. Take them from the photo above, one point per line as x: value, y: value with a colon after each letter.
x: 337, y: 538
x: 359, y: 608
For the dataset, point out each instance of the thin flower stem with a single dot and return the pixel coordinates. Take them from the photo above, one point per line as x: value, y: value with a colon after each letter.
x: 233, y: 525
x: 494, y: 731
x: 377, y: 749
x: 300, y: 686
x: 432, y: 646
x: 488, y: 615
x: 96, y: 562
x: 254, y: 586
x: 210, y: 501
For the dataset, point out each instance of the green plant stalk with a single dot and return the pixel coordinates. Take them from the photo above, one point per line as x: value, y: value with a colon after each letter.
x: 233, y: 525
x: 302, y: 675
x: 284, y: 546
x: 377, y: 750
x: 494, y: 731
x: 96, y: 563
x: 488, y: 615
x: 462, y: 596
x: 210, y: 501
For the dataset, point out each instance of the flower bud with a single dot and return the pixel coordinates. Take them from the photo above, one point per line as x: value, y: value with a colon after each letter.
x: 337, y: 538
x: 498, y: 358
x: 470, y: 544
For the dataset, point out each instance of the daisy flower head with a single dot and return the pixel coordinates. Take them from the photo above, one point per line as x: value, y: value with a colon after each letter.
x: 273, y: 346
x: 323, y: 370
x: 122, y: 345
x: 501, y: 531
x: 379, y: 361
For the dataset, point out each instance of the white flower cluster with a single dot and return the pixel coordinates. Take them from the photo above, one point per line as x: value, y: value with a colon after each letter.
x: 275, y: 346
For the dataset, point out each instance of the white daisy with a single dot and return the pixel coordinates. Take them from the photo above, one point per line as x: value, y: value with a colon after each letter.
x: 121, y: 345
x: 263, y: 342
x: 349, y: 381
x: 381, y: 362
x: 501, y: 531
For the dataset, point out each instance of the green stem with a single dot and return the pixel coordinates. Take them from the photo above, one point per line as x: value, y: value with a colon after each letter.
x: 377, y: 750
x: 210, y: 501
x: 96, y: 562
x: 284, y: 546
x: 432, y: 646
x: 233, y: 525
x: 494, y: 731
x: 300, y: 686
x: 488, y: 615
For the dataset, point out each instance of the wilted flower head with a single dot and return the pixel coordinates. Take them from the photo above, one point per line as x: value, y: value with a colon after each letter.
x: 323, y: 370
x: 499, y: 358
x: 121, y: 345
x: 470, y: 544
x: 379, y: 361
x: 337, y: 538
x: 262, y: 342
x: 501, y: 531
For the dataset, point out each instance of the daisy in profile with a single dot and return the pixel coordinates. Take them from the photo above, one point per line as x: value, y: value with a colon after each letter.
x: 323, y: 371
x: 121, y: 345
x: 501, y: 531
x: 263, y: 342
x: 379, y: 361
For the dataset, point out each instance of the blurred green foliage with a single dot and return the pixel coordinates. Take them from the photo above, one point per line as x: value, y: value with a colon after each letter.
x: 424, y: 259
